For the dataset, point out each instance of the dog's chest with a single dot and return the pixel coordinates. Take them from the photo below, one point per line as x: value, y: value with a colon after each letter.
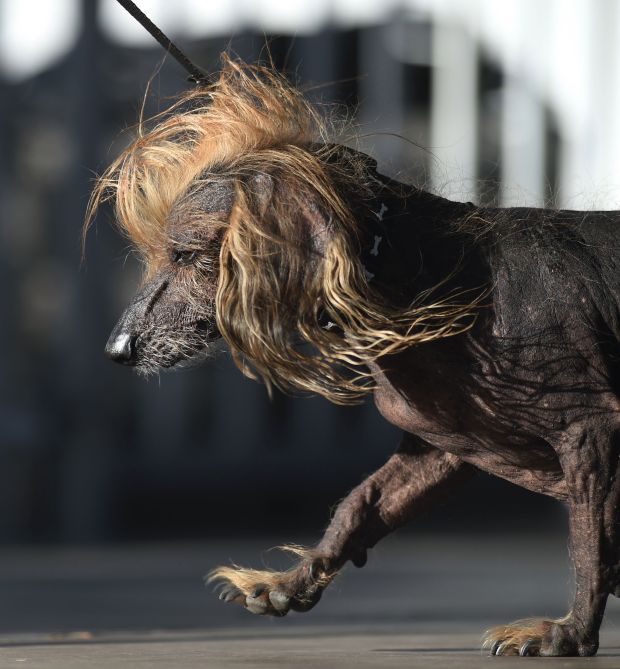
x: 441, y: 399
x: 435, y: 401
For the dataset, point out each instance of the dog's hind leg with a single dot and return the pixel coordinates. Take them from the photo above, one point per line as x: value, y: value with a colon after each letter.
x: 589, y: 458
x: 415, y: 476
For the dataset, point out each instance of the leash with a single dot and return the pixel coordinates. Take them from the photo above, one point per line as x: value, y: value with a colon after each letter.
x: 196, y: 74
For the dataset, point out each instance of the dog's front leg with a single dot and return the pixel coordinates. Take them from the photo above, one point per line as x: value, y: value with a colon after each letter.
x: 408, y: 482
x: 412, y: 479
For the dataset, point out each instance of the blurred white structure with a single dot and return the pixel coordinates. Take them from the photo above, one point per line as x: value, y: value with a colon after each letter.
x: 562, y: 54
x: 557, y: 56
x: 34, y: 34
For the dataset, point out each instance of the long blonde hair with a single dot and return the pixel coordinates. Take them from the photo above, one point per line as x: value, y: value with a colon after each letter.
x: 274, y: 286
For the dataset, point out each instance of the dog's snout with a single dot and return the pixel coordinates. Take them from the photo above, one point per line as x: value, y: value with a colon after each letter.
x: 121, y: 347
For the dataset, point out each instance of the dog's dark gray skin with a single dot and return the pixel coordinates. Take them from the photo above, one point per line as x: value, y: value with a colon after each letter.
x: 530, y: 393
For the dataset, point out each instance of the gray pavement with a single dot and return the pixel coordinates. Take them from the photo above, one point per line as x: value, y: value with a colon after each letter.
x: 420, y: 602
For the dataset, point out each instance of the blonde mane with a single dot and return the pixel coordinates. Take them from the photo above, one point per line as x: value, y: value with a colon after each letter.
x: 273, y: 286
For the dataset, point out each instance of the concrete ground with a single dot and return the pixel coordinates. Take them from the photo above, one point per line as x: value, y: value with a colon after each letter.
x: 420, y: 602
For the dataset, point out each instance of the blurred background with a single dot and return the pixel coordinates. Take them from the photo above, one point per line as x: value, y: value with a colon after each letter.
x: 511, y: 102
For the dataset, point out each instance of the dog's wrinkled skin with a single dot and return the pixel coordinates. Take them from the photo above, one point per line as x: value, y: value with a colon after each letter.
x: 528, y: 393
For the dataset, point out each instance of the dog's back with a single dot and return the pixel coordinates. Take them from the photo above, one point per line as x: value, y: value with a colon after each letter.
x: 555, y: 269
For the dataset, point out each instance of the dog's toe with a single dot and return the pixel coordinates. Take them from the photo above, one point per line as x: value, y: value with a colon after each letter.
x: 257, y: 605
x: 280, y: 601
x: 522, y: 638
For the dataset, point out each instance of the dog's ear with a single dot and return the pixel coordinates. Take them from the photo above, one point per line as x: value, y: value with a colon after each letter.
x: 273, y: 199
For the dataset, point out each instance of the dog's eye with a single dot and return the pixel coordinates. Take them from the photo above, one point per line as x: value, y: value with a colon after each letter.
x: 184, y: 256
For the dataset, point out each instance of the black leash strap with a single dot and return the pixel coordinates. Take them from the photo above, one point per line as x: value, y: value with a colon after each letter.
x: 196, y: 74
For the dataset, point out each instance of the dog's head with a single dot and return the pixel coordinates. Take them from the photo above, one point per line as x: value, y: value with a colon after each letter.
x: 248, y: 222
x: 172, y: 319
x: 243, y: 246
x: 236, y: 204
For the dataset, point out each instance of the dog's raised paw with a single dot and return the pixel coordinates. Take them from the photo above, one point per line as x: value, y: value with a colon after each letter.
x: 275, y: 593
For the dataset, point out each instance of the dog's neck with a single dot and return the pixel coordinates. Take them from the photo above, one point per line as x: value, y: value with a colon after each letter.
x: 411, y: 241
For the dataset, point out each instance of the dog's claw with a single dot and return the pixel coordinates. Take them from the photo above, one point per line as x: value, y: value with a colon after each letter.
x: 230, y: 594
x: 502, y: 648
x: 528, y: 648
x: 495, y: 647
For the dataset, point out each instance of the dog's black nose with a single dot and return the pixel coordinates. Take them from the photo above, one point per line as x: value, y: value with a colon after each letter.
x: 121, y: 348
